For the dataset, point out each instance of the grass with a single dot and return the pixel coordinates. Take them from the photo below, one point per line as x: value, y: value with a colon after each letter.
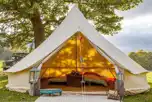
x: 10, y: 96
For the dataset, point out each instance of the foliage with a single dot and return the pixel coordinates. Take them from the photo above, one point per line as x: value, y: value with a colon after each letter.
x: 143, y: 58
x: 22, y: 21
x: 10, y: 96
x: 5, y: 54
x: 3, y: 42
x: 1, y: 65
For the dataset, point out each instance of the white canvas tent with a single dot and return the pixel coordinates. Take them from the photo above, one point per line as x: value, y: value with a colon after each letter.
x: 134, y: 75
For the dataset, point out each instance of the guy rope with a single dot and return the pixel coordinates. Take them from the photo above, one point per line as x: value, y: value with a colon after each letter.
x: 80, y: 38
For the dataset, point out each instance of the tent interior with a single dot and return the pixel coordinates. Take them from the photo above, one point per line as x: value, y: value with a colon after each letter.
x: 75, y: 60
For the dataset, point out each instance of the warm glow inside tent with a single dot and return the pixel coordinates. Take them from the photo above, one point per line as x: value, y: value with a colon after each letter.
x: 76, y: 54
x: 68, y: 58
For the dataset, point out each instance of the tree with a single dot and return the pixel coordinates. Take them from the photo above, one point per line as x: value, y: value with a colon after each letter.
x: 143, y: 58
x: 23, y: 21
x: 3, y: 42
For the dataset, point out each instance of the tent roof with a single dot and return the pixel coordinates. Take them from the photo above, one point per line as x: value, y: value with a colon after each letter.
x: 75, y: 21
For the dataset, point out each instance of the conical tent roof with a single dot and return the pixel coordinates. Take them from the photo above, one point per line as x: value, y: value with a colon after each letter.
x: 75, y: 21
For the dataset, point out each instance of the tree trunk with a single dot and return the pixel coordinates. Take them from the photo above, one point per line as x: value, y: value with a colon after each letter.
x: 38, y: 28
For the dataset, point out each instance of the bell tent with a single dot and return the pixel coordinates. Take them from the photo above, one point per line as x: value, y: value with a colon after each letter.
x: 76, y: 46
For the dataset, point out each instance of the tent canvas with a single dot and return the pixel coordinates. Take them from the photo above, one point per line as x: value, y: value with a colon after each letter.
x: 74, y: 22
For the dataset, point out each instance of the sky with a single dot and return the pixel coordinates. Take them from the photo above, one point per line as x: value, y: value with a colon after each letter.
x: 136, y: 33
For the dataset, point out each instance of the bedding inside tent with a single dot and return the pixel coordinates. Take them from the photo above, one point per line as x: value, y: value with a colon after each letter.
x: 77, y: 55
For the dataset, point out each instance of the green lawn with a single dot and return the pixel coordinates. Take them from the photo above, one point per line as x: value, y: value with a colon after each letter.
x: 10, y: 96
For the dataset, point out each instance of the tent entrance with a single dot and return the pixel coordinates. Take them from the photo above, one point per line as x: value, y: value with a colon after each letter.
x: 79, y: 56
